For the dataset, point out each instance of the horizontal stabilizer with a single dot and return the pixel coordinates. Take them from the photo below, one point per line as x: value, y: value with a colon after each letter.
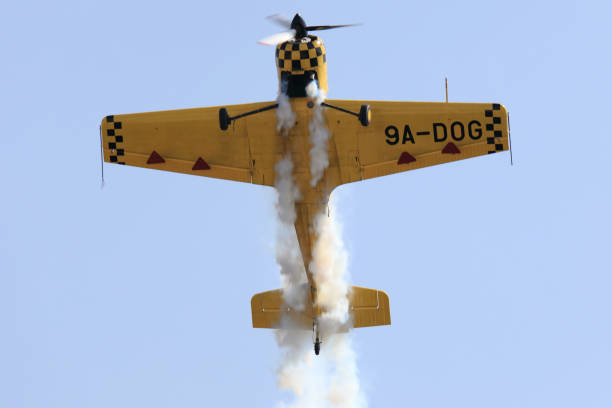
x: 268, y: 308
x: 369, y: 307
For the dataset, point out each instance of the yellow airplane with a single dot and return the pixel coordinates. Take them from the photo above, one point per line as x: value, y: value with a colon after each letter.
x: 368, y: 139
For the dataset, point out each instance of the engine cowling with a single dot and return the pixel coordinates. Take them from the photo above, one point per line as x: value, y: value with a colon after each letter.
x: 300, y: 61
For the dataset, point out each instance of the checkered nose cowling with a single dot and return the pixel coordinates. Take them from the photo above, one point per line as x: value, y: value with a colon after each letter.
x: 299, y: 56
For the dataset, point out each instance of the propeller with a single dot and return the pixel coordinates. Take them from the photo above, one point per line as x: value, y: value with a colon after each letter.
x: 277, y: 38
x: 280, y: 20
x: 297, y: 29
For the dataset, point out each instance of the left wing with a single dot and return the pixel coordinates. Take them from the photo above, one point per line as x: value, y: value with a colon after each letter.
x: 404, y: 136
x: 190, y: 141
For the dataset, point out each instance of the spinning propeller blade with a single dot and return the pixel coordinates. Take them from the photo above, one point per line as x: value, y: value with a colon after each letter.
x: 280, y: 20
x: 277, y: 38
x: 329, y: 27
x: 299, y: 29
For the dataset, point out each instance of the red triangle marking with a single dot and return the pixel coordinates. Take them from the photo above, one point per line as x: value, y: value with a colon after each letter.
x: 200, y: 164
x: 155, y: 158
x: 405, y: 158
x: 451, y: 148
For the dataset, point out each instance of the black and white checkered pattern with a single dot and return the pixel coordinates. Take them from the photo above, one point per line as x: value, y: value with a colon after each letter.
x: 114, y: 140
x: 494, y: 134
x: 297, y: 56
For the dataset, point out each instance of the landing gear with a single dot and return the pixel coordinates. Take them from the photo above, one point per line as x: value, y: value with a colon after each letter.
x: 224, y: 119
x: 317, y: 347
x: 365, y: 114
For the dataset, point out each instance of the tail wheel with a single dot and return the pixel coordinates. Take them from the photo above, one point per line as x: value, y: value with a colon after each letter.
x: 365, y: 114
x: 224, y: 119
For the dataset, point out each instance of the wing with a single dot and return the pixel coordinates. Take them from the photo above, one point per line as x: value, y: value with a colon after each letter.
x: 190, y: 141
x: 405, y: 136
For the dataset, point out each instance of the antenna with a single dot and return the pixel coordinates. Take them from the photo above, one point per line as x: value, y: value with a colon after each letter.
x: 446, y: 87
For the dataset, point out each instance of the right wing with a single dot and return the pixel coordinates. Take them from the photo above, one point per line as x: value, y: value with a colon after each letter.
x: 190, y: 141
x: 405, y: 136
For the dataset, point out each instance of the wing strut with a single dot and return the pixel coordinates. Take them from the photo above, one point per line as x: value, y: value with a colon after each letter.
x: 364, y: 115
x: 225, y: 119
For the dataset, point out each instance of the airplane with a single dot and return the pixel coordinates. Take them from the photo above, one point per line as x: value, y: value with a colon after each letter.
x: 368, y: 139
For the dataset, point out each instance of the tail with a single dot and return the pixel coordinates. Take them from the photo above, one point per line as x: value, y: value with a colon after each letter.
x: 368, y: 307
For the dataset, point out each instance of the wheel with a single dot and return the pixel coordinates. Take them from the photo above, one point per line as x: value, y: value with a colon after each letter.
x: 317, y: 348
x: 224, y: 119
x: 365, y: 115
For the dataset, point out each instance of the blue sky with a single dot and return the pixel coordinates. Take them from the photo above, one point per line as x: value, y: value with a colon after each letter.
x: 138, y: 294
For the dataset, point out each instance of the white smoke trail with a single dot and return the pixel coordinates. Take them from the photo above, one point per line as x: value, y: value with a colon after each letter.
x: 295, y: 370
x: 330, y: 379
x: 319, y: 134
x: 287, y: 191
x: 284, y: 115
x: 344, y: 388
x: 329, y: 271
x: 325, y: 381
x: 288, y: 254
